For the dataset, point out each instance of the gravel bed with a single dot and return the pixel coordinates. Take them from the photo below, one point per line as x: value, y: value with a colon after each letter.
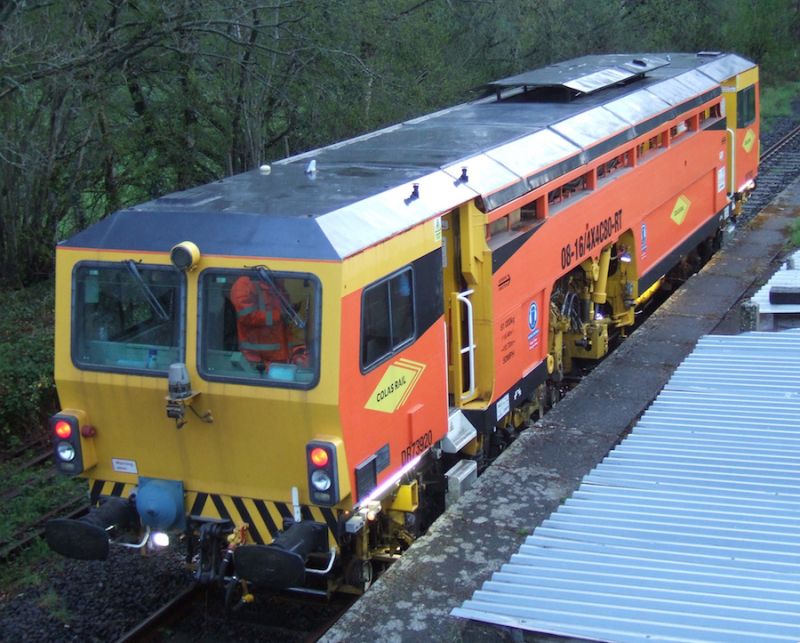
x: 70, y: 600
x: 99, y: 601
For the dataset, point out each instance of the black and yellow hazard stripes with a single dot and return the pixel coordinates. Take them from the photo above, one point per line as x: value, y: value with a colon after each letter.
x: 98, y: 488
x: 264, y: 518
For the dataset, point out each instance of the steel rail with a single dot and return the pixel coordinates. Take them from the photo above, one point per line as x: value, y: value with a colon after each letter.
x: 19, y: 540
x: 778, y: 145
x: 147, y: 629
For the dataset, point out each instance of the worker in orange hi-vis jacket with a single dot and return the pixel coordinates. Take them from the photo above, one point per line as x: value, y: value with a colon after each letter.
x: 263, y: 336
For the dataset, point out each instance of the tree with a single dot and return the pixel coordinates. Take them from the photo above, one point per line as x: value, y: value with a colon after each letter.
x: 106, y: 103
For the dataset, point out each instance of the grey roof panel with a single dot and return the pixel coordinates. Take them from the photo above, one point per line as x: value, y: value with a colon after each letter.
x: 366, y: 222
x: 689, y: 529
x: 788, y: 276
x: 721, y: 68
x: 637, y: 107
x: 484, y: 173
x: 535, y: 152
x: 682, y: 88
x: 599, y: 79
x: 590, y: 127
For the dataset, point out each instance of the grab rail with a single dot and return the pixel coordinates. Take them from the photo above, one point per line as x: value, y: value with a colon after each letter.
x: 459, y: 349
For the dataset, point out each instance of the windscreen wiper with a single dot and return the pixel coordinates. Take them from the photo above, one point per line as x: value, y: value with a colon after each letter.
x: 265, y: 275
x: 158, y: 309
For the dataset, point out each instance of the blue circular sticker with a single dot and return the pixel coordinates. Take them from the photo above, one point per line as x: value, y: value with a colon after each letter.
x: 533, y: 316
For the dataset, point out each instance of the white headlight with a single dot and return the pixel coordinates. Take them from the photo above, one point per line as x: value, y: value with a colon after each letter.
x: 320, y: 480
x: 160, y: 539
x: 65, y: 451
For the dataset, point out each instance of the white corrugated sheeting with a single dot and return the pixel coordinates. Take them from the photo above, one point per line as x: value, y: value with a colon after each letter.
x: 690, y: 529
x: 787, y: 276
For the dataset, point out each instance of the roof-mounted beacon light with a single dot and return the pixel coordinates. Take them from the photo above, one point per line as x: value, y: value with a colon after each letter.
x: 185, y: 256
x: 179, y: 397
x: 178, y: 381
x: 179, y: 391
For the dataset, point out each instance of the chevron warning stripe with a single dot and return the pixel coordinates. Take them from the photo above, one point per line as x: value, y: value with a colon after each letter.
x: 264, y: 518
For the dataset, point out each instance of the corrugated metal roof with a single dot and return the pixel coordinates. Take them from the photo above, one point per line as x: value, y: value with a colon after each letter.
x: 689, y: 529
x: 788, y: 276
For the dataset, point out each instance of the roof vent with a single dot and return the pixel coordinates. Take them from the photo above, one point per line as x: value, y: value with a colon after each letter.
x: 414, y: 194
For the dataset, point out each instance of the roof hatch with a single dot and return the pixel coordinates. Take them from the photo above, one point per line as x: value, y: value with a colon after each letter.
x: 584, y: 75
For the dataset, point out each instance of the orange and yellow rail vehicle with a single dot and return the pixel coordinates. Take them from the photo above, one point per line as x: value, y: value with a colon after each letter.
x: 293, y: 369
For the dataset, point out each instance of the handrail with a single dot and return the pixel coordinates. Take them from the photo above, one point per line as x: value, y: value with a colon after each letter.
x: 138, y: 545
x: 732, y: 178
x: 322, y: 572
x: 469, y: 349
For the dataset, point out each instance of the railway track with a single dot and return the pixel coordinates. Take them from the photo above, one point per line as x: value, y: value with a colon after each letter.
x: 33, y: 531
x: 31, y: 474
x: 779, y: 166
x: 173, y: 610
x: 197, y: 610
x: 21, y: 451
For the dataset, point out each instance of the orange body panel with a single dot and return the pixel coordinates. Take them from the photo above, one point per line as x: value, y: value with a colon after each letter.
x: 407, y: 394
x: 682, y: 179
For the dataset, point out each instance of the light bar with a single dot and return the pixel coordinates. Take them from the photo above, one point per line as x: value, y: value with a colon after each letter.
x: 387, y: 484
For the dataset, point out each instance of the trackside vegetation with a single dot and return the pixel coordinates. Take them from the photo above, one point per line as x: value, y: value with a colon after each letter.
x: 27, y: 392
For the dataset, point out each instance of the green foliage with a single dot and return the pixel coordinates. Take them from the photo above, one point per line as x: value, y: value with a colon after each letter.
x: 776, y: 101
x: 25, y: 571
x: 794, y: 233
x: 106, y: 104
x: 767, y: 31
x: 27, y: 392
x: 29, y: 494
x: 54, y: 605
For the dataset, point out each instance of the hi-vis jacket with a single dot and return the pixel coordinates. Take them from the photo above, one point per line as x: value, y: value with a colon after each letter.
x: 263, y: 336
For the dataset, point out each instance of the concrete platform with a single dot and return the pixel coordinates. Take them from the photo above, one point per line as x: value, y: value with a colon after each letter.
x: 412, y: 600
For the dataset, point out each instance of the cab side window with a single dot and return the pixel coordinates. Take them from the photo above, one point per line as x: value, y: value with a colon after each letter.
x: 746, y: 107
x: 260, y: 327
x: 387, y: 318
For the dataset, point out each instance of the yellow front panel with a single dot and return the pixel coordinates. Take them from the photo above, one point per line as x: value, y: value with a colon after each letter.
x: 255, y: 445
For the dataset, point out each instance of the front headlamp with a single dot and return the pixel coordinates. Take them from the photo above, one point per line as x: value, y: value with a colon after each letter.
x: 320, y: 480
x: 65, y: 451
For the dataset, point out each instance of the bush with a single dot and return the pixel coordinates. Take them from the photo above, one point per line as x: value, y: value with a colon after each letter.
x: 794, y: 233
x: 27, y: 390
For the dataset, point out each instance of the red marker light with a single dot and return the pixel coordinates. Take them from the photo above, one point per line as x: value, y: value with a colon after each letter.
x: 319, y: 457
x: 63, y: 429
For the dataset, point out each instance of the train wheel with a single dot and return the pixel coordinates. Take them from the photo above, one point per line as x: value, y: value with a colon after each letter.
x: 367, y: 574
x: 360, y: 574
x: 552, y: 395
